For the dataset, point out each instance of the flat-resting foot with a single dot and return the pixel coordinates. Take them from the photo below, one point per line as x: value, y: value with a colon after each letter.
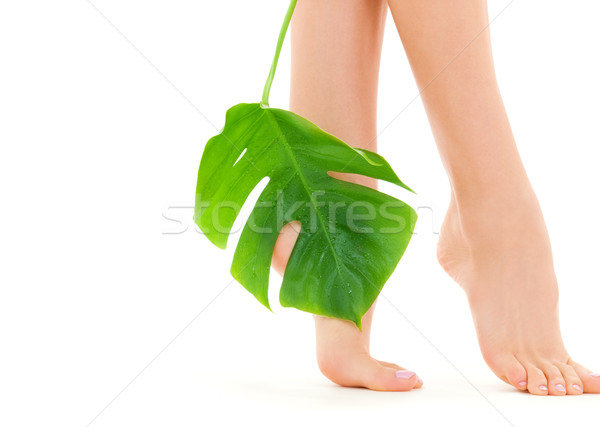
x: 344, y: 358
x: 342, y: 350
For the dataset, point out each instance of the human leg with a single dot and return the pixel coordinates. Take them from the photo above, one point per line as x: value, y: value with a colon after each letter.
x: 336, y: 45
x: 493, y: 241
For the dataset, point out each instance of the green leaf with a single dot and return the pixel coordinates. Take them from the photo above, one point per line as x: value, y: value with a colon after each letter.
x: 352, y: 237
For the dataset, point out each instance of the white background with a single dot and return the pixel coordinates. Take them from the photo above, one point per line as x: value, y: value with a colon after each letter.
x: 102, y: 124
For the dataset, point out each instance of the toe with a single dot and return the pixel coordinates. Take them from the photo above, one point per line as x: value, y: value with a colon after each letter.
x: 389, y: 379
x: 574, y: 384
x: 361, y: 370
x: 591, y: 381
x: 390, y: 365
x: 419, y: 382
x: 536, y: 381
x: 514, y: 373
x: 556, y: 382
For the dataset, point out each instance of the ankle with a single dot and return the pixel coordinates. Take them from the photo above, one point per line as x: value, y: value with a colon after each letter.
x: 496, y: 210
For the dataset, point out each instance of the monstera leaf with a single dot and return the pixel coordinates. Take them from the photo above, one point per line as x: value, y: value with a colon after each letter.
x: 351, y: 237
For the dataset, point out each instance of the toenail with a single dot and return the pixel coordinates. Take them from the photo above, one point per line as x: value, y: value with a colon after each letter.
x: 594, y: 375
x: 419, y: 380
x: 404, y: 374
x: 577, y: 387
x: 560, y: 388
x: 523, y: 383
x: 543, y: 387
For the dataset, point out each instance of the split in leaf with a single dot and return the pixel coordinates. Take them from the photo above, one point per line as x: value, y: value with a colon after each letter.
x: 351, y: 237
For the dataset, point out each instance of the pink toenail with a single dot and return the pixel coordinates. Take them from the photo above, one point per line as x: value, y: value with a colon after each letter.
x: 543, y: 387
x: 404, y: 374
x: 523, y: 383
x: 419, y: 380
x: 560, y: 388
x: 594, y: 375
x: 577, y: 387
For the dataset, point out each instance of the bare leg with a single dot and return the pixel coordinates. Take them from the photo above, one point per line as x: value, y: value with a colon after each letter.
x: 336, y: 45
x: 493, y: 241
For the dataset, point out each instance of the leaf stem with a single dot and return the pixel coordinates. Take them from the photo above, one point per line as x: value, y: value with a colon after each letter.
x: 284, y: 27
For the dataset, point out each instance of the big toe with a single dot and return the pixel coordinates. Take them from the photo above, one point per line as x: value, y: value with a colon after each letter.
x: 400, y: 368
x: 364, y: 371
x: 591, y: 380
x: 510, y: 370
x: 384, y: 378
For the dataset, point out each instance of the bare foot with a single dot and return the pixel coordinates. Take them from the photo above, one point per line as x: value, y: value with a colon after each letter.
x: 343, y: 357
x: 342, y: 350
x: 499, y: 252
